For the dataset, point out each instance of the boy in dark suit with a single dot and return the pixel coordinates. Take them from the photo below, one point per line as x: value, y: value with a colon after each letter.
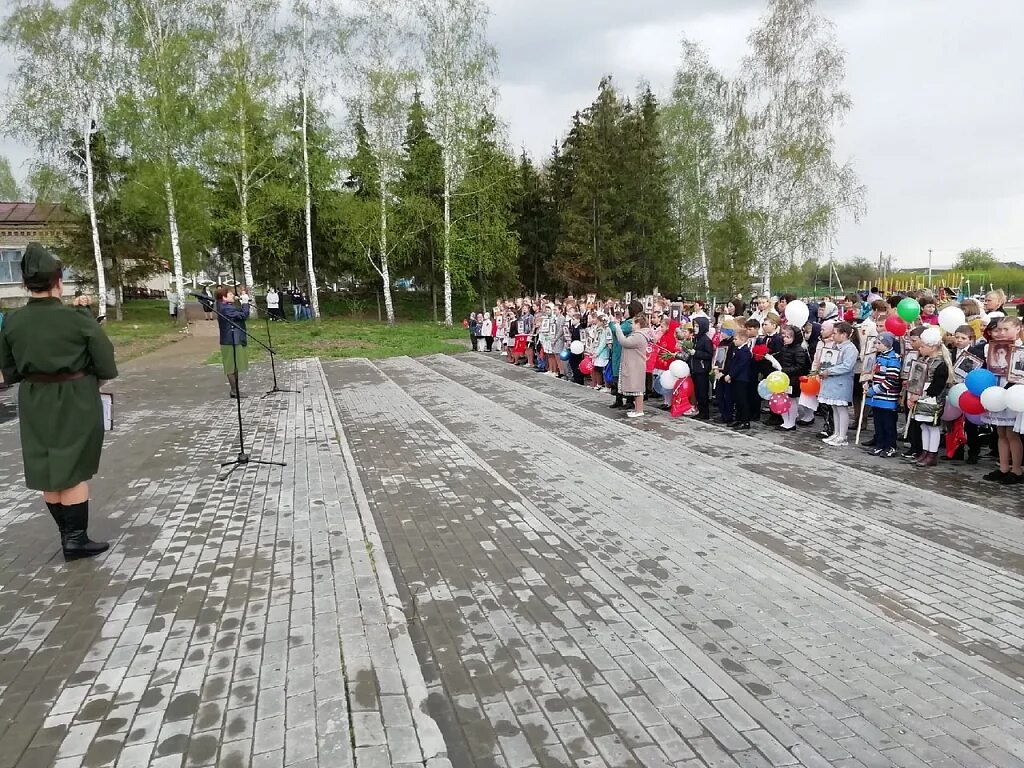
x: 741, y: 374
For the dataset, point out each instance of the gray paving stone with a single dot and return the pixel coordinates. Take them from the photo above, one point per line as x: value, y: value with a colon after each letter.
x: 720, y: 609
x: 217, y: 603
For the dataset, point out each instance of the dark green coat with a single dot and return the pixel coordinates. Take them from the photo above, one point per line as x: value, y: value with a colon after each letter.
x: 61, y: 423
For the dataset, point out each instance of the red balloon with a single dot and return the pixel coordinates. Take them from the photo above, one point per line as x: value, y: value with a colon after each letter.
x: 895, y: 325
x: 970, y: 404
x: 780, y: 404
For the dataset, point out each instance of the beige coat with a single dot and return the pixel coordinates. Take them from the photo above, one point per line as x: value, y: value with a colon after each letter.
x: 633, y: 369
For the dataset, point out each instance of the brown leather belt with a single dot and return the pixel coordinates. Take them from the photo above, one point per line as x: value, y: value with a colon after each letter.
x: 54, y: 378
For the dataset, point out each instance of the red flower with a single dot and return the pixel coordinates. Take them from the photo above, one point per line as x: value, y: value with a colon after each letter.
x: 759, y: 351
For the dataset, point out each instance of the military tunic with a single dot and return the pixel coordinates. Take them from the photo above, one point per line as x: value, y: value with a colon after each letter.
x: 61, y: 422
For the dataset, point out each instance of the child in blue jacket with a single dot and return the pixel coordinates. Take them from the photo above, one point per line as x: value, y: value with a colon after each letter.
x: 883, y: 394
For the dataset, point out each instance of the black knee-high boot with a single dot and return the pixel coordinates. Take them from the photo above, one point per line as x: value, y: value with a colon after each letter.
x: 77, y: 543
x: 57, y: 513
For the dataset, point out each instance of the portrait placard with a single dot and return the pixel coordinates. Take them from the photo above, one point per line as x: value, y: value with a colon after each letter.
x: 966, y: 363
x: 998, y: 358
x: 1016, y: 374
x: 918, y: 378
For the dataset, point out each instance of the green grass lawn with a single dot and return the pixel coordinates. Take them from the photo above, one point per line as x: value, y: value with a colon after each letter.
x: 146, y: 326
x: 341, y: 337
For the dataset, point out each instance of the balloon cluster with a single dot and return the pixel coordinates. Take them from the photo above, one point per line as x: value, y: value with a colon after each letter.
x: 979, y: 393
x: 909, y: 310
x: 773, y: 389
x: 678, y: 371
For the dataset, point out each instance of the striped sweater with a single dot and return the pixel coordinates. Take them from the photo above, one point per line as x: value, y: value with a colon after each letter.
x: 884, y: 390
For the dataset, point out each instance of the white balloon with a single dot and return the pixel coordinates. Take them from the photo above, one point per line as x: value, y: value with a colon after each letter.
x: 576, y: 347
x: 951, y: 318
x: 679, y: 369
x: 668, y: 381
x: 954, y: 393
x: 797, y: 313
x: 994, y: 399
x: 1015, y: 398
x: 932, y: 337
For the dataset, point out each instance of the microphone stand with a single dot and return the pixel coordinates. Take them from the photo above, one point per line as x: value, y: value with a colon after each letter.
x: 273, y: 369
x: 243, y: 459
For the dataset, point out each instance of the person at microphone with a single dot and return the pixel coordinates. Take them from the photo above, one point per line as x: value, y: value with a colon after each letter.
x: 234, y: 353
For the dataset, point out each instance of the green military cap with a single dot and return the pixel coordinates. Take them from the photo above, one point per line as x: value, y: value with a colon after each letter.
x: 38, y: 264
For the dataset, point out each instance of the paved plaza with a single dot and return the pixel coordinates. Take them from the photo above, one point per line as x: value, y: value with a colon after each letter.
x: 464, y: 563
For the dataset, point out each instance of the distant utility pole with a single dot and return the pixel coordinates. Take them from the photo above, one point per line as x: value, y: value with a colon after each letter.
x: 929, y: 269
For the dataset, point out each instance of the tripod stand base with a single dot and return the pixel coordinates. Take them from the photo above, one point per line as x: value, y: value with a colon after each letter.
x: 277, y: 390
x: 243, y: 461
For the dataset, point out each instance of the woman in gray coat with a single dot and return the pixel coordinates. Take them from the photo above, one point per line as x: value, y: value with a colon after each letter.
x: 633, y: 368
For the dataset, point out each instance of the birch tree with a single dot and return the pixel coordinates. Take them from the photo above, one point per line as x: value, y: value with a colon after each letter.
x: 385, y: 84
x: 315, y: 39
x: 62, y: 87
x: 792, y: 84
x: 693, y: 125
x: 459, y: 66
x: 164, y: 114
x: 246, y: 84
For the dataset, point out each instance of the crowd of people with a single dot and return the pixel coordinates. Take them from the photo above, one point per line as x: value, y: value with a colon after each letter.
x: 942, y: 375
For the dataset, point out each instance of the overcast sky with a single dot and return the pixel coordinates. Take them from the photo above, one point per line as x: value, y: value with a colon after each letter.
x: 938, y: 101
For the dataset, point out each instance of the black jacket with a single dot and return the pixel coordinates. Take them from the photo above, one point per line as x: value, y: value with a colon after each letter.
x: 703, y: 349
x: 795, y: 362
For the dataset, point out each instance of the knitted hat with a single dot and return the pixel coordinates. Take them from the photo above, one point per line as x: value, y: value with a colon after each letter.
x: 886, y: 339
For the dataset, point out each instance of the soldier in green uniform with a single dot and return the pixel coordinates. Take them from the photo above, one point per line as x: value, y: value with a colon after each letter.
x: 60, y: 355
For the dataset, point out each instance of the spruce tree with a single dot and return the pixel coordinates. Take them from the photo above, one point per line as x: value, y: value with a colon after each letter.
x: 536, y: 223
x: 485, y: 242
x: 650, y: 245
x: 421, y: 191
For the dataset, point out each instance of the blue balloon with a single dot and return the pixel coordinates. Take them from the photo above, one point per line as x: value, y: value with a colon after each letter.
x: 979, y: 380
x: 565, y: 354
x: 762, y: 390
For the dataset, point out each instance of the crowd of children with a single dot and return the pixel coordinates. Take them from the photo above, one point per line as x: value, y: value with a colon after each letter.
x: 855, y: 365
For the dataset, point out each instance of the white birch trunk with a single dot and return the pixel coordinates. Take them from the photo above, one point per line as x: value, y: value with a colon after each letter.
x: 447, y: 250
x: 385, y: 268
x: 243, y: 199
x: 700, y: 236
x: 90, y: 201
x: 704, y: 262
x: 179, y: 272
x: 766, y: 280
x: 314, y: 298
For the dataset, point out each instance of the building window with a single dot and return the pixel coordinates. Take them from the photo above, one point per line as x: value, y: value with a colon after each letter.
x: 10, y: 265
